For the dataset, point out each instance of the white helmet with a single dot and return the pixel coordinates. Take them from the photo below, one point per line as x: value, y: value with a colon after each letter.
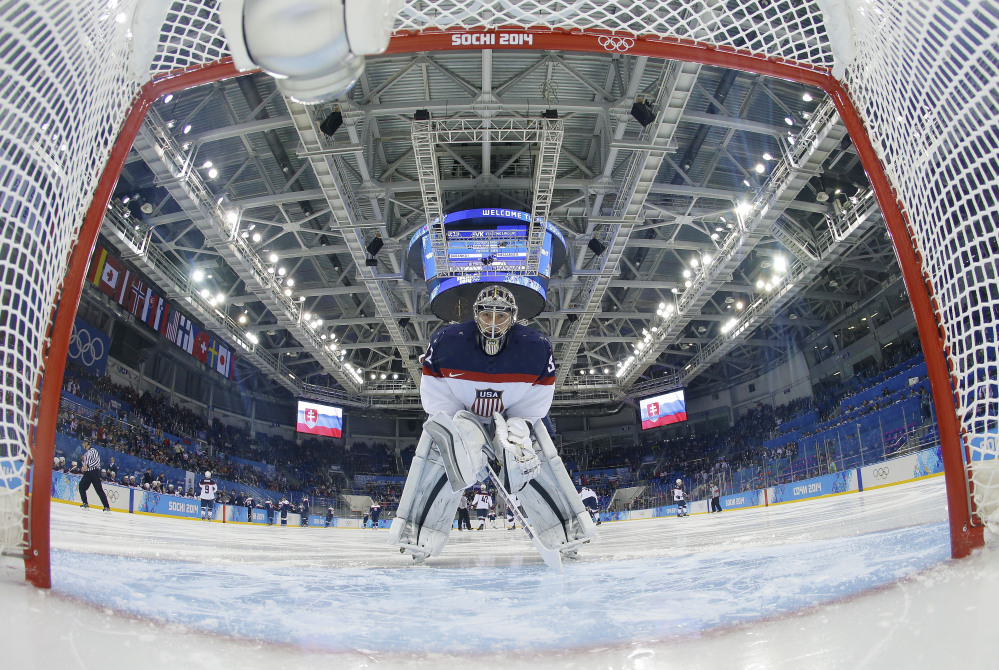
x: 679, y: 481
x: 495, y: 311
x: 208, y: 474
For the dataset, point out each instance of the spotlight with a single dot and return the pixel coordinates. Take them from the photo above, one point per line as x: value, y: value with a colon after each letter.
x: 331, y: 124
x: 596, y: 246
x: 642, y: 112
x: 422, y: 115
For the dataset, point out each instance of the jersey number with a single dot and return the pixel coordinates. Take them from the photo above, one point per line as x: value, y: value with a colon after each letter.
x: 551, y: 364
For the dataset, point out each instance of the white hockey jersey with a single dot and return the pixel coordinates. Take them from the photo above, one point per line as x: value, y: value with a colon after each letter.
x: 519, y: 381
x: 207, y: 488
x: 482, y: 501
x: 679, y: 495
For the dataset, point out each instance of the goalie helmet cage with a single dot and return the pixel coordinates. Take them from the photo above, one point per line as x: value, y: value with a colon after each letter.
x: 914, y: 82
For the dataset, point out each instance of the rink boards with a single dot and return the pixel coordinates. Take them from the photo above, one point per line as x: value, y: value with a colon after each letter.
x: 926, y: 463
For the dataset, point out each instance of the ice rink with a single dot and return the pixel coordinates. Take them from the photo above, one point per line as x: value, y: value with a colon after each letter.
x: 853, y: 581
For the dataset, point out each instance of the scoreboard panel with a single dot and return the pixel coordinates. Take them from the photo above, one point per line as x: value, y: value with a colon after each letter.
x: 486, y: 246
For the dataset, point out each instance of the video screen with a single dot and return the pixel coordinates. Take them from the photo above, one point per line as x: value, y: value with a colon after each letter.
x: 662, y: 410
x: 316, y: 419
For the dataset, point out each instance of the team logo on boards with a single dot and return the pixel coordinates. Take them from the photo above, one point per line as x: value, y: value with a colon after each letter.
x: 487, y: 401
x: 311, y: 417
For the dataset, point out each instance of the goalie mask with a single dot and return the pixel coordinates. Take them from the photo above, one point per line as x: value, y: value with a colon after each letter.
x: 495, y: 311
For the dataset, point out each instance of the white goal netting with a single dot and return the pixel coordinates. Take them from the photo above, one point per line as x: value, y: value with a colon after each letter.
x: 921, y: 74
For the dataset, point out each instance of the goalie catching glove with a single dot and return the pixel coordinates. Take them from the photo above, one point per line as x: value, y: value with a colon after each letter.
x: 522, y: 462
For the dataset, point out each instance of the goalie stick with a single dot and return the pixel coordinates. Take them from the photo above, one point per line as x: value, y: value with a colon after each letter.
x: 551, y: 557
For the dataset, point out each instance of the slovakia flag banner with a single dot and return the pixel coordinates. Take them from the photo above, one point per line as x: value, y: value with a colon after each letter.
x: 663, y: 410
x: 316, y: 419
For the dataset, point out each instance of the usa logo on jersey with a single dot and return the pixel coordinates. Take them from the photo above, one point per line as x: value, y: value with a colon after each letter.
x: 487, y: 401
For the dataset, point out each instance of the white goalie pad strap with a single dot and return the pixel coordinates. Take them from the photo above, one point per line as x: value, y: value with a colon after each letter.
x: 427, y: 506
x: 551, y: 501
x: 460, y: 440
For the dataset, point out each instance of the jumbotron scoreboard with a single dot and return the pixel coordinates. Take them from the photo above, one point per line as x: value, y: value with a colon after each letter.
x: 486, y: 246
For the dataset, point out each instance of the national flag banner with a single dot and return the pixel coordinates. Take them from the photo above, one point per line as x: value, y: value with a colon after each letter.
x: 316, y: 419
x: 201, y: 342
x: 223, y: 362
x: 171, y: 324
x: 213, y: 353
x: 186, y: 332
x: 135, y: 299
x: 108, y: 282
x: 97, y: 265
x: 149, y: 310
x: 162, y: 316
x: 122, y: 291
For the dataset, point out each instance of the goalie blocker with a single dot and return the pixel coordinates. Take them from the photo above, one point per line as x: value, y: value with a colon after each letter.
x: 452, y: 455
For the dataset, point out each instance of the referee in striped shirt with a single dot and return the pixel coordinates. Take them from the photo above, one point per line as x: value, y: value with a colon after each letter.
x: 92, y: 476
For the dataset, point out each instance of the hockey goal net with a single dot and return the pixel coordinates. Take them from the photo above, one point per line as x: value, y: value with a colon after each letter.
x: 914, y: 83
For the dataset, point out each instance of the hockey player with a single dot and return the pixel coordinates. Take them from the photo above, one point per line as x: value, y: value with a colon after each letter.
x: 591, y: 502
x: 482, y: 503
x: 487, y: 384
x: 375, y: 510
x: 329, y: 516
x: 206, y: 491
x: 284, y: 505
x: 680, y: 498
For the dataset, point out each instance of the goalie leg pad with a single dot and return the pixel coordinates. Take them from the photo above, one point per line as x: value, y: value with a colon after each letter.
x: 553, y: 506
x: 460, y: 440
x: 427, y: 507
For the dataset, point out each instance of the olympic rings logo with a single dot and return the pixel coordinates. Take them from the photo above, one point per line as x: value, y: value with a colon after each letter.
x: 611, y: 43
x: 85, y: 347
x: 881, y: 473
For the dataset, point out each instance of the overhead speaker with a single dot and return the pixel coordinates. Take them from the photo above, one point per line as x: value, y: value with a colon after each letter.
x: 642, y: 112
x: 335, y: 120
x: 422, y: 115
x: 596, y: 246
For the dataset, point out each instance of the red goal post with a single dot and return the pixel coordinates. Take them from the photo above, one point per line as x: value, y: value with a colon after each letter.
x: 915, y: 86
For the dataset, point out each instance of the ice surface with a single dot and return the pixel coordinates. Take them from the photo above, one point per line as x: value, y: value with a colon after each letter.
x: 859, y: 580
